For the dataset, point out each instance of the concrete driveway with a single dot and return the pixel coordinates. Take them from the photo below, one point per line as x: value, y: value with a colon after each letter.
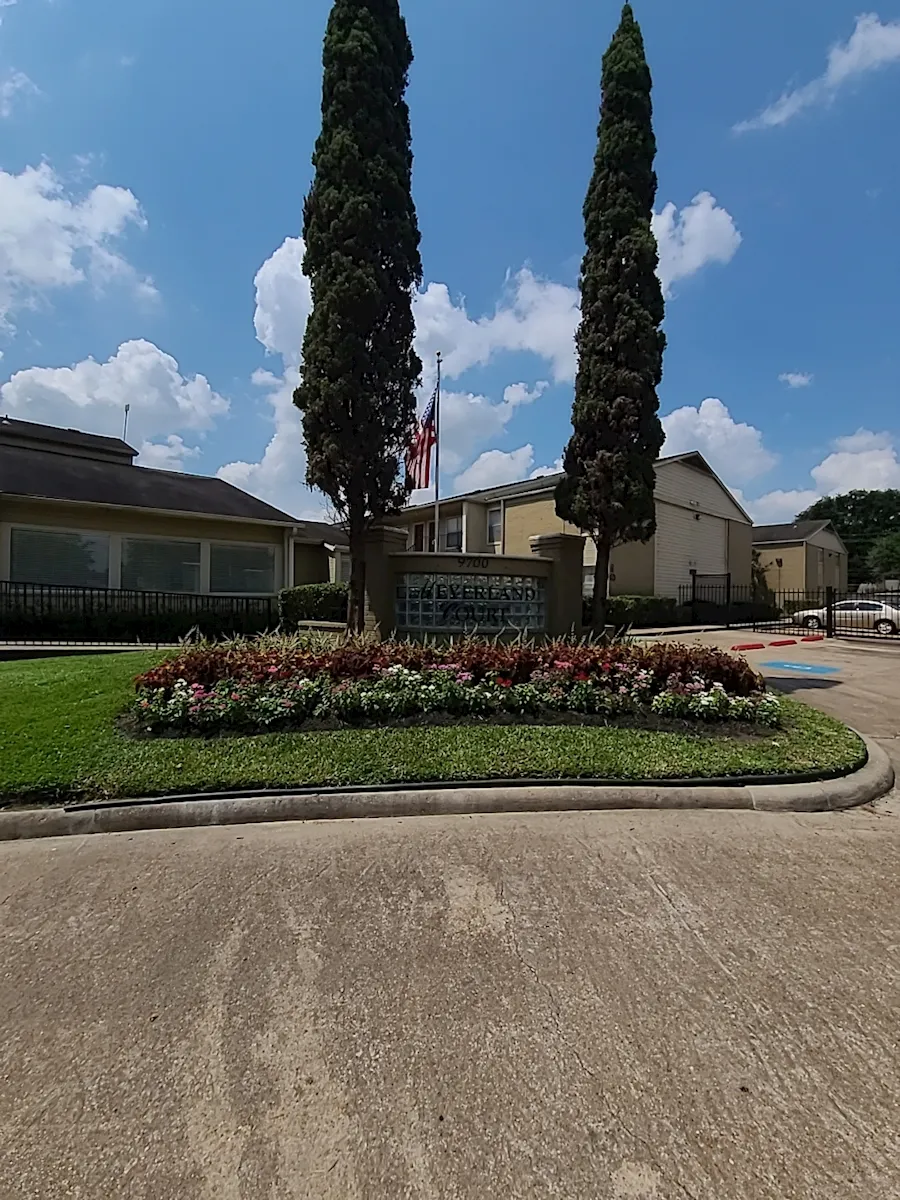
x: 654, y: 1006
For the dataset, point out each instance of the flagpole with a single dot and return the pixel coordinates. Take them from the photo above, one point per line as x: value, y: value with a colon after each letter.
x: 437, y: 459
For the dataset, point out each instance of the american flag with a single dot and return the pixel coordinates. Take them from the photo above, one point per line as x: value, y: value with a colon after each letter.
x: 418, y: 456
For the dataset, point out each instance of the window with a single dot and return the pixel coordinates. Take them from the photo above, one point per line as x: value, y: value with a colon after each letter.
x: 344, y: 571
x: 419, y: 537
x: 452, y: 533
x: 587, y: 582
x: 51, y: 556
x: 239, y: 569
x: 495, y: 526
x: 158, y: 566
x: 868, y: 606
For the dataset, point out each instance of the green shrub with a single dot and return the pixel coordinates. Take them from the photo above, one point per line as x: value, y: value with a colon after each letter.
x: 638, y: 612
x: 312, y: 602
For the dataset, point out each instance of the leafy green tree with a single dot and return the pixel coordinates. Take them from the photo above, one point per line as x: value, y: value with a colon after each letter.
x: 884, y: 557
x: 360, y: 371
x: 861, y: 518
x: 607, y: 489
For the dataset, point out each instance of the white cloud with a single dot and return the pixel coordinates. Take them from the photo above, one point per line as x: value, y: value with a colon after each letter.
x: 278, y: 477
x: 533, y: 315
x: 283, y: 301
x: 92, y: 396
x: 700, y: 234
x: 795, y: 379
x: 776, y: 507
x: 496, y: 467
x: 13, y: 85
x: 539, y: 316
x: 871, y: 45
x: 863, y: 460
x: 168, y: 455
x: 520, y: 393
x: 282, y: 307
x: 733, y: 449
x: 51, y: 240
x: 538, y: 472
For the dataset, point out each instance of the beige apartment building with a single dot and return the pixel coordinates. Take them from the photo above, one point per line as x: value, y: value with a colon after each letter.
x: 701, y: 529
x: 76, y: 512
x: 804, y: 556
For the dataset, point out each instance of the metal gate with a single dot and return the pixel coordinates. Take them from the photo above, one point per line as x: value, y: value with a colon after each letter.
x: 834, y: 614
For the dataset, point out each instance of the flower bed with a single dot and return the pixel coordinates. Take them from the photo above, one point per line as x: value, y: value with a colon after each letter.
x: 249, y: 686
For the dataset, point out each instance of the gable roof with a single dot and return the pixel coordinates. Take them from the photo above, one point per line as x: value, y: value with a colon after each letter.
x: 546, y: 483
x: 56, y: 440
x: 795, y: 531
x: 47, y: 475
x: 322, y: 532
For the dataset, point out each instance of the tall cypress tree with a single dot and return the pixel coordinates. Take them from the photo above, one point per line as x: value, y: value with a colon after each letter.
x: 607, y: 489
x: 362, y: 258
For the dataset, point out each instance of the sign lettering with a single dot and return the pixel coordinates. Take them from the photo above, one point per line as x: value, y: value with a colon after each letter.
x: 462, y: 602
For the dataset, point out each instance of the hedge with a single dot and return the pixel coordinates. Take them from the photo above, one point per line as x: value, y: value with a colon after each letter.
x: 638, y: 612
x: 312, y: 602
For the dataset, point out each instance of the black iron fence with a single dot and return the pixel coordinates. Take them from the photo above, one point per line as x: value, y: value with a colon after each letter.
x: 833, y: 613
x: 717, y: 600
x: 34, y: 612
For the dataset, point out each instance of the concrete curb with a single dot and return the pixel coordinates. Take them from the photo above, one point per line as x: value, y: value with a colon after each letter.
x: 870, y: 782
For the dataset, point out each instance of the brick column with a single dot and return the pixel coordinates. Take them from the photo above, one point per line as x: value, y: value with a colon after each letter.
x: 564, y: 587
x: 381, y: 542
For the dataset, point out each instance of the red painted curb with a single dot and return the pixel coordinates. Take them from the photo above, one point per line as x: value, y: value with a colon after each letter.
x: 785, y: 642
x: 814, y: 637
x: 750, y: 646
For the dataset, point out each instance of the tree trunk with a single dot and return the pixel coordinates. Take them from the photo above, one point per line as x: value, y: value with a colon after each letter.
x: 601, y: 589
x: 356, y: 604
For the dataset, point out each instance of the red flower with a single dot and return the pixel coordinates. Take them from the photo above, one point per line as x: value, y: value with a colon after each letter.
x: 505, y: 682
x: 581, y: 676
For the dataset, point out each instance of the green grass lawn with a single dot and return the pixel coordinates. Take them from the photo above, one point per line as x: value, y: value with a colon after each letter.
x: 59, y: 741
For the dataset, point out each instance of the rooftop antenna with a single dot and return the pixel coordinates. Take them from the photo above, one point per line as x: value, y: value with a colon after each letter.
x: 125, y: 423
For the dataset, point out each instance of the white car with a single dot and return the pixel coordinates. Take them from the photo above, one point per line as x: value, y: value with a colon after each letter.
x: 853, y: 614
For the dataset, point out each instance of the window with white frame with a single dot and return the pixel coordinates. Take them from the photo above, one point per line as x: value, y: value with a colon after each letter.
x: 155, y: 565
x: 495, y: 526
x: 452, y: 533
x: 419, y: 537
x: 59, y: 557
x: 239, y: 569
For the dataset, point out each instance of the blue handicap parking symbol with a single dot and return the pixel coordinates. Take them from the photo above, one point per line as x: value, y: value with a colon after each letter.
x: 802, y: 668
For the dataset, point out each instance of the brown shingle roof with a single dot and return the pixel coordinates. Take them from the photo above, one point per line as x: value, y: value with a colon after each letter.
x: 795, y: 531
x: 54, y: 476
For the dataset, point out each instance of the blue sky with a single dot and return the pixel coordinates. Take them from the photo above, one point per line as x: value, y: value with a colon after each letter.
x: 154, y: 158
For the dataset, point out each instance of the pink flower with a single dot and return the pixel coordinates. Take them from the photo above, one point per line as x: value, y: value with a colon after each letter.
x: 235, y: 696
x: 464, y: 677
x: 273, y: 670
